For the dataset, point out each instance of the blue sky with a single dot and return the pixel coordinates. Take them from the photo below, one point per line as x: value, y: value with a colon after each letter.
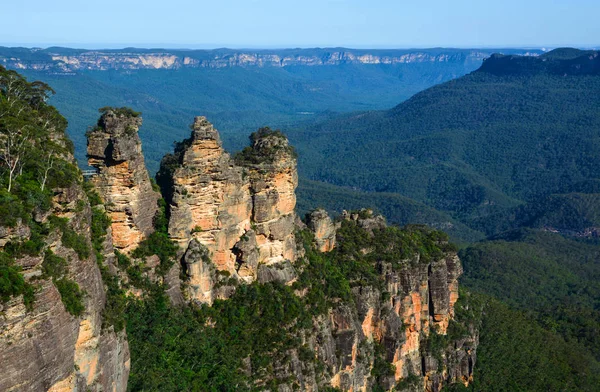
x: 306, y: 23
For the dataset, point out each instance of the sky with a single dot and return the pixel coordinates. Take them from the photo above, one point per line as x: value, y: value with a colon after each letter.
x: 300, y: 23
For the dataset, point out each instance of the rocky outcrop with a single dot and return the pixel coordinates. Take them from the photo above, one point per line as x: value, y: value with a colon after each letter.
x: 271, y: 166
x: 403, y: 323
x: 46, y: 347
x: 323, y: 228
x: 242, y: 212
x: 114, y: 149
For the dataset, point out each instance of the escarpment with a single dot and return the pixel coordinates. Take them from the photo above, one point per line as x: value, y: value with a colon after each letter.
x: 348, y: 303
x: 396, y: 326
x: 60, y: 343
x: 389, y: 319
x: 55, y: 333
x: 114, y: 149
x: 241, y: 210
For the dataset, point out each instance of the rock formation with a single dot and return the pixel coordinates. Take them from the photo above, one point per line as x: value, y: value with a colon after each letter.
x: 234, y: 221
x: 322, y: 226
x: 114, y: 149
x: 396, y: 323
x: 242, y: 212
x: 46, y: 348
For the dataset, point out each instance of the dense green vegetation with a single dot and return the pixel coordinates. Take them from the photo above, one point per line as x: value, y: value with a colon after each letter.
x: 180, y: 349
x: 266, y: 152
x: 397, y: 209
x: 472, y: 147
x: 208, y: 348
x: 12, y: 282
x: 34, y: 161
x: 516, y: 354
x: 555, y: 280
x: 508, y: 153
x: 237, y: 99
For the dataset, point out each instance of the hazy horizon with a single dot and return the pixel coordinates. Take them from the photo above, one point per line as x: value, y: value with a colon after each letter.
x: 272, y: 24
x: 150, y: 46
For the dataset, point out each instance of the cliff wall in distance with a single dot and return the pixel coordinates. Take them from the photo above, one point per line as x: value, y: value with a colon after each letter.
x: 63, y: 60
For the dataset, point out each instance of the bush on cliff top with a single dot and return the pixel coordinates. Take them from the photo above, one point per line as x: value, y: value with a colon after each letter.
x: 266, y: 153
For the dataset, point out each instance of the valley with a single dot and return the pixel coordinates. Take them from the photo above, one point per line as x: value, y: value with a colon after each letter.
x: 271, y: 268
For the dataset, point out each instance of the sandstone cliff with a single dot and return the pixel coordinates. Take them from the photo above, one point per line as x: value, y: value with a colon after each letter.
x: 242, y: 212
x: 54, y: 60
x: 50, y: 346
x: 234, y: 221
x: 404, y: 317
x: 114, y: 149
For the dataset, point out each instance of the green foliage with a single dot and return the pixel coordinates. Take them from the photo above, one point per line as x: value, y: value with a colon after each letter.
x: 181, y: 349
x: 515, y: 353
x: 70, y: 238
x: 34, y: 159
x: 56, y: 268
x: 123, y: 261
x: 357, y: 259
x: 157, y: 244
x: 266, y: 146
x: 322, y: 276
x: 93, y: 196
x: 473, y: 147
x: 408, y: 383
x: 71, y: 296
x: 381, y: 367
x: 12, y: 282
x: 161, y: 222
x: 11, y: 209
x: 210, y: 348
x: 554, y: 279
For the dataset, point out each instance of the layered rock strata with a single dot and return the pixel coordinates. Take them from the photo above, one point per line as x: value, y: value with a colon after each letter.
x: 65, y: 61
x: 399, y: 323
x: 114, y: 149
x: 241, y: 212
x: 46, y: 348
x: 319, y: 222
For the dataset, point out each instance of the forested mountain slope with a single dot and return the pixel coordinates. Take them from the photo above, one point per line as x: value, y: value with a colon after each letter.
x: 238, y: 90
x: 515, y: 130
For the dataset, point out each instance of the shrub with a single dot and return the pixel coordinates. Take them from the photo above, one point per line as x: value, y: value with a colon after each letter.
x: 71, y: 296
x: 12, y: 282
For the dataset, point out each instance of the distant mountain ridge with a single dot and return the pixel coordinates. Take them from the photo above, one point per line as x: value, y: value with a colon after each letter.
x: 517, y: 130
x: 562, y: 61
x: 65, y: 60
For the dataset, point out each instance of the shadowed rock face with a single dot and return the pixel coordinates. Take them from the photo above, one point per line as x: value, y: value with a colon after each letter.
x: 243, y: 213
x: 114, y: 149
x: 46, y: 348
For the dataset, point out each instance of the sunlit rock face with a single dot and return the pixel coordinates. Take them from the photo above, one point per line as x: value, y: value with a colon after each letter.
x: 323, y: 228
x: 241, y: 211
x: 115, y: 150
x: 419, y: 301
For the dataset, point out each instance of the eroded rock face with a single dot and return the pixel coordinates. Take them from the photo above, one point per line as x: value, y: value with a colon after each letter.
x: 243, y: 212
x: 211, y: 201
x: 46, y: 348
x: 394, y: 322
x: 323, y: 228
x: 273, y: 178
x: 114, y: 149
